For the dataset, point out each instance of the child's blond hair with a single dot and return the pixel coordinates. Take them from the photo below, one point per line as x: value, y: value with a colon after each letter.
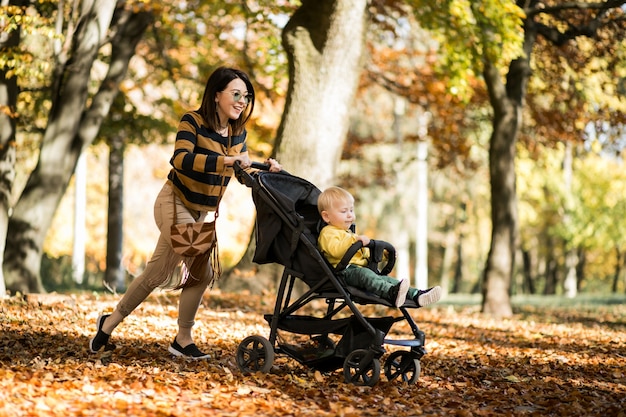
x: 330, y: 196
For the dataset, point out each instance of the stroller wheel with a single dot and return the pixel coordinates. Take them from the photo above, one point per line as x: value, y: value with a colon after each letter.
x: 401, y: 364
x: 358, y: 373
x: 255, y: 354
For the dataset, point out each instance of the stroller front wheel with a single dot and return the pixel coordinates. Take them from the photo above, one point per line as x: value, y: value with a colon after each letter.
x: 402, y: 365
x: 355, y: 371
x: 255, y: 354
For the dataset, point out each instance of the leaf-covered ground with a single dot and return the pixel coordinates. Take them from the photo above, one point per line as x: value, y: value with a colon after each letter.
x: 568, y: 361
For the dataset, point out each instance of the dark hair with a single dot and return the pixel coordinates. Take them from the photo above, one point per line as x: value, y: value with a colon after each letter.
x: 216, y: 83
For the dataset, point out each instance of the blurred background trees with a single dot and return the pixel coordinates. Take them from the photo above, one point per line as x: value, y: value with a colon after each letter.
x: 423, y: 68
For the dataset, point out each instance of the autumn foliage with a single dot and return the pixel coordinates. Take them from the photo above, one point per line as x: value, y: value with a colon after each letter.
x: 543, y: 362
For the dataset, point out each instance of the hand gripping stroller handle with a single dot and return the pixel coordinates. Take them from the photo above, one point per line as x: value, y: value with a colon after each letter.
x: 245, y: 177
x: 253, y: 164
x: 262, y: 166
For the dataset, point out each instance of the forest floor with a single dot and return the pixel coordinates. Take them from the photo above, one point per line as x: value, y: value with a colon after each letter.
x: 548, y: 360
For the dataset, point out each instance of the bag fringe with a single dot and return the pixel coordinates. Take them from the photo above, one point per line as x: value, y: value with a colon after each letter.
x: 209, y: 274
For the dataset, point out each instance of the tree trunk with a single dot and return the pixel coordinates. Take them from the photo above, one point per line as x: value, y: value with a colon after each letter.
x: 449, y: 246
x: 421, y: 216
x: 570, y: 287
x: 507, y: 103
x: 501, y: 257
x: 71, y: 128
x: 580, y: 267
x: 570, y: 283
x: 528, y: 285
x: 114, y: 274
x: 619, y: 262
x: 8, y: 105
x: 458, y: 269
x: 550, y: 271
x: 324, y: 41
x: 80, y: 220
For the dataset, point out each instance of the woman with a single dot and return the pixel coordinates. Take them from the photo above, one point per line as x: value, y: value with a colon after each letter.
x: 208, y: 142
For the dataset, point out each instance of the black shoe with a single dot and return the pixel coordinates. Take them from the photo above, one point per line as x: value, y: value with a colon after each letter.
x: 190, y: 351
x: 397, y: 293
x: 101, y: 339
x: 427, y: 297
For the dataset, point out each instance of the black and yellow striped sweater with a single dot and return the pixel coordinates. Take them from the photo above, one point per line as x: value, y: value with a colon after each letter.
x: 198, y: 172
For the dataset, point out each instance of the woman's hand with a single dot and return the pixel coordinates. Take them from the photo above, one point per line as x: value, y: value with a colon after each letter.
x: 274, y: 165
x: 243, y: 159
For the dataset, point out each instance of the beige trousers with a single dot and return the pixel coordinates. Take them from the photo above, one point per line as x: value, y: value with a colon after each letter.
x: 162, y: 267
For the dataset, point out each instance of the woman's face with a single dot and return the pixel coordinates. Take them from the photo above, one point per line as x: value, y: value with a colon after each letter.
x: 232, y: 101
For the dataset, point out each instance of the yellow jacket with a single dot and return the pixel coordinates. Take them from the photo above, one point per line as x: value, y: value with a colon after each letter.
x: 334, y: 242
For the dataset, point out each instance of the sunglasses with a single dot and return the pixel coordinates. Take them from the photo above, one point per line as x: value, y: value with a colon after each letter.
x: 237, y: 96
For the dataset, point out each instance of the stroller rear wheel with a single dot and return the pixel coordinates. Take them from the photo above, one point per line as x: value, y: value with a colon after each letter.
x: 255, y: 354
x: 358, y: 373
x: 401, y: 364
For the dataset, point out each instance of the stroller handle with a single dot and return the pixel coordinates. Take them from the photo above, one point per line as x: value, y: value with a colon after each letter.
x: 254, y: 165
x: 259, y: 165
x: 247, y: 178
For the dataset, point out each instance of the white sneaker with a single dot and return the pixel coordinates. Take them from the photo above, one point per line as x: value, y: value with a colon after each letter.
x: 427, y: 297
x: 402, y: 288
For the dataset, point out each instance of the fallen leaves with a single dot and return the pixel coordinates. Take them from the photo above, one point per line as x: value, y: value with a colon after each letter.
x: 543, y: 362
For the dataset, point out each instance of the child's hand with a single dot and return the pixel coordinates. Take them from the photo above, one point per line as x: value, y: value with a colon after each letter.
x: 364, y: 239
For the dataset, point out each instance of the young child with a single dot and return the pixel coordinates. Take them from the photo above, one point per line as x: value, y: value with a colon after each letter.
x: 336, y: 206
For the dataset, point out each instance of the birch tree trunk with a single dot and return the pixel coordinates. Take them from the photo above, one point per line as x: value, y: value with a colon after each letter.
x: 570, y: 283
x: 80, y: 218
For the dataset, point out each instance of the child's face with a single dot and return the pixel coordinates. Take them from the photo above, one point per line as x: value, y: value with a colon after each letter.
x: 341, y: 214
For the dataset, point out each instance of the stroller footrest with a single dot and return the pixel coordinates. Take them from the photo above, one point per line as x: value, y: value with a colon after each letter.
x: 407, y: 343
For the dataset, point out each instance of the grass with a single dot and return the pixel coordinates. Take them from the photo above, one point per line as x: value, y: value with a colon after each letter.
x: 581, y: 300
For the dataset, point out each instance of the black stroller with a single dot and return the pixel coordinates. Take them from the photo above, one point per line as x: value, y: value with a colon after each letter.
x: 286, y: 231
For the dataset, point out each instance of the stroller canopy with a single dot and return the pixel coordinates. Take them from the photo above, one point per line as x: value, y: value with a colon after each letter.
x: 286, y: 215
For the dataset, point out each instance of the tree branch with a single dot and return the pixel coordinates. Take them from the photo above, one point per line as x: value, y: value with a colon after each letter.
x: 574, y: 5
x: 588, y: 29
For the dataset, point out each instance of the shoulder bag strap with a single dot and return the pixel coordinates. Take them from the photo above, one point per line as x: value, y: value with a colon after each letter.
x: 222, y: 186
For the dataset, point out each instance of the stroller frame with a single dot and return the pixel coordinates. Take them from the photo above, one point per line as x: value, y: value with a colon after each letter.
x: 362, y: 339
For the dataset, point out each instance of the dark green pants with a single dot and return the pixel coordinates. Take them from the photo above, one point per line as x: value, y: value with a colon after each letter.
x: 368, y: 280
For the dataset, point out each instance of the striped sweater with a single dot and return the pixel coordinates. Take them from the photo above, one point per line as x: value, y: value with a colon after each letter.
x: 198, y: 162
